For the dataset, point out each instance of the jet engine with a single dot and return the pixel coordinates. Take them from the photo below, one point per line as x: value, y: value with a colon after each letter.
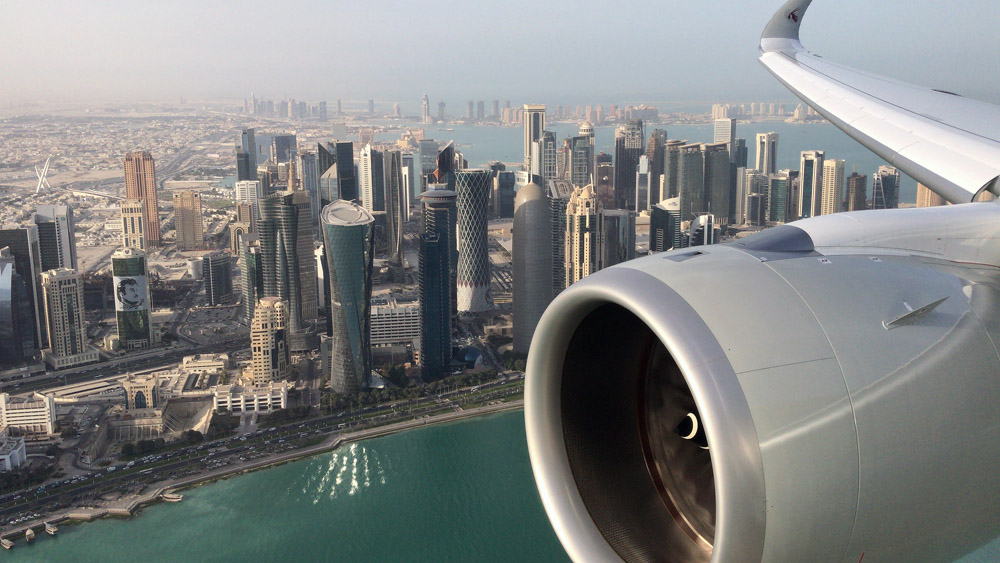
x: 827, y: 390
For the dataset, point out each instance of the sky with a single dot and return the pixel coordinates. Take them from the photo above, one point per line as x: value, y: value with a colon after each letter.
x: 552, y: 51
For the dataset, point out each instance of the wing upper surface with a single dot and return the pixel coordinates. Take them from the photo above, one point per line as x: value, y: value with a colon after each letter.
x: 945, y: 141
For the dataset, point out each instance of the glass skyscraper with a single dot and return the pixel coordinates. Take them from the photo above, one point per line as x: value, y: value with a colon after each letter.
x: 349, y: 249
x: 435, y: 308
x: 17, y: 318
x: 132, y: 303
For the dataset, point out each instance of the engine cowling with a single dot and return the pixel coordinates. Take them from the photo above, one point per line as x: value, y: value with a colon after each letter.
x: 843, y: 418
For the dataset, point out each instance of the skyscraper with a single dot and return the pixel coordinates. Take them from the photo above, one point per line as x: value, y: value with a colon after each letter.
x: 286, y: 241
x: 725, y: 132
x: 371, y: 179
x: 581, y: 160
x: 885, y: 188
x: 810, y: 183
x: 857, y: 192
x: 283, y: 148
x: 251, y: 275
x: 441, y: 216
x: 559, y: 193
x: 927, y: 198
x: 629, y: 146
x: 25, y: 249
x: 665, y: 225
x: 140, y: 184
x: 543, y: 156
x: 269, y: 342
x: 133, y: 233
x: 340, y: 155
x: 833, y: 186
x: 308, y: 174
x: 17, y: 317
x: 718, y: 181
x: 532, y: 265
x: 396, y: 204
x: 64, y: 309
x: 534, y: 126
x: 248, y: 144
x: 670, y: 181
x: 691, y: 179
x: 767, y: 153
x: 425, y: 110
x: 243, y: 170
x: 473, y: 189
x: 218, y: 277
x: 348, y: 238
x: 435, y: 304
x: 617, y: 236
x: 188, y: 220
x: 56, y: 236
x: 777, y: 197
x: 643, y: 184
x: 582, y: 235
x: 132, y: 304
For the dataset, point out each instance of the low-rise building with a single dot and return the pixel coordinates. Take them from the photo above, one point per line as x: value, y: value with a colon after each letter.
x: 206, y: 363
x: 393, y: 322
x: 12, y: 453
x: 239, y: 399
x: 32, y: 417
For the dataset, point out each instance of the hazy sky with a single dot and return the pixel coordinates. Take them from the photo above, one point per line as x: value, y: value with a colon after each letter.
x: 526, y: 51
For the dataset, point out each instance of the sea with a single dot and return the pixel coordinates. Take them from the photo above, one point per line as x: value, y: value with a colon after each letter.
x: 460, y: 491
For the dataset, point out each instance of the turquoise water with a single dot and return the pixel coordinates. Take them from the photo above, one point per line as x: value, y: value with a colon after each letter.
x: 456, y: 492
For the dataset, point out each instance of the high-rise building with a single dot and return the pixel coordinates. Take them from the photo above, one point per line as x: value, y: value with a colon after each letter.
x: 251, y: 275
x: 740, y: 153
x: 17, y: 316
x: 342, y: 183
x: 643, y: 185
x: 543, y: 156
x: 440, y: 215
x: 750, y: 182
x: 441, y: 111
x: 665, y: 225
x: 532, y: 265
x: 188, y: 220
x: 473, y: 189
x: 702, y: 231
x: 348, y: 238
x: 581, y: 160
x: 691, y: 179
x: 396, y: 204
x: 371, y: 179
x: 250, y: 191
x: 140, y: 184
x: 534, y: 126
x: 582, y: 235
x: 767, y: 153
x: 248, y: 144
x: 810, y: 183
x: 63, y: 289
x: 425, y: 110
x: 718, y: 181
x: 25, y: 249
x: 504, y: 183
x: 559, y: 193
x: 243, y: 170
x: 777, y: 197
x: 435, y: 304
x: 885, y: 188
x: 218, y: 277
x: 617, y: 232
x: 132, y: 303
x: 133, y: 233
x: 286, y: 241
x: 269, y: 350
x: 725, y: 132
x: 56, y: 236
x: 833, y: 186
x: 857, y: 192
x: 308, y: 174
x: 670, y: 180
x: 629, y: 146
x: 927, y: 198
x: 469, y: 115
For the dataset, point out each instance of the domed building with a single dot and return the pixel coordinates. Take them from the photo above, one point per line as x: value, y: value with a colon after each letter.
x: 532, y: 262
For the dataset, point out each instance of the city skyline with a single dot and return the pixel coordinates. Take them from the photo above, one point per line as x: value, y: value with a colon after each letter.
x: 190, y: 52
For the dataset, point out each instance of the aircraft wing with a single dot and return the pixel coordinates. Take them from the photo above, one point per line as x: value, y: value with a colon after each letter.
x: 947, y: 142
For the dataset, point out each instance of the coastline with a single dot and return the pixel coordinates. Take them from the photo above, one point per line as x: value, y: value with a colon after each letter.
x: 331, y: 443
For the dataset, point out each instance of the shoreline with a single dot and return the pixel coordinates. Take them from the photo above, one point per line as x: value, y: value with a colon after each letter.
x: 331, y: 443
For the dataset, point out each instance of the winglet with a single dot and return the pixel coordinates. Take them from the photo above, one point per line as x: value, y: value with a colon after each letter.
x: 782, y: 32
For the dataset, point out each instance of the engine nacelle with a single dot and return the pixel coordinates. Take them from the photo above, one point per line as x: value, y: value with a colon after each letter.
x: 850, y: 399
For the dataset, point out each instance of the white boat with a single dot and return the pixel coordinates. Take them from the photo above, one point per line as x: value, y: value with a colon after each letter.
x: 51, y: 529
x: 29, y: 535
x: 172, y: 497
x: 6, y: 543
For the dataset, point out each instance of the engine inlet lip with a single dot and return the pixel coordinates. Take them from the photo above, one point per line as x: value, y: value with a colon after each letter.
x: 736, y: 461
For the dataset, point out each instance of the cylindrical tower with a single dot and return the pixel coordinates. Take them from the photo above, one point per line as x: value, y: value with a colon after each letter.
x: 347, y: 234
x: 532, y: 262
x: 132, y: 303
x: 473, y: 188
x: 441, y: 216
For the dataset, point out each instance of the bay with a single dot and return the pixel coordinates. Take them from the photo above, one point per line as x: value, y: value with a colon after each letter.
x: 454, y: 492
